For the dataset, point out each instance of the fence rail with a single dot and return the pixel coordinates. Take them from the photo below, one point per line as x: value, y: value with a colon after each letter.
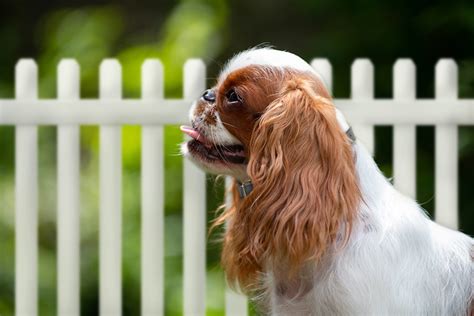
x: 163, y: 112
x: 152, y: 111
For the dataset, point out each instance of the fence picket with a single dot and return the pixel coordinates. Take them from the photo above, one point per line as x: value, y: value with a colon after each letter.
x: 404, y: 135
x: 235, y: 303
x: 362, y: 88
x: 110, y: 228
x: 324, y: 68
x: 194, y: 204
x: 68, y: 213
x: 26, y: 196
x: 152, y: 195
x: 446, y: 149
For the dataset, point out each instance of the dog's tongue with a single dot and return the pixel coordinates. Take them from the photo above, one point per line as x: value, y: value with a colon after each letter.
x: 195, y: 134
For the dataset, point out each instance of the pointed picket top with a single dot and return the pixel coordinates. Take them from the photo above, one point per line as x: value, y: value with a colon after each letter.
x: 324, y: 69
x: 152, y: 79
x: 404, y: 78
x: 110, y: 79
x: 446, y: 79
x: 362, y: 79
x: 194, y: 81
x: 68, y: 79
x: 26, y: 79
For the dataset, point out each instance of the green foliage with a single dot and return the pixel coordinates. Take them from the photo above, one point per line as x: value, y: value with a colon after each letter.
x: 90, y: 34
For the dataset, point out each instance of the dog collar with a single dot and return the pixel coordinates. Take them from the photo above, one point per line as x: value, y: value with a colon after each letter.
x: 350, y: 134
x: 246, y: 187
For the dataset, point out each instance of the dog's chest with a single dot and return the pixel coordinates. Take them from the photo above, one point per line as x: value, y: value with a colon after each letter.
x: 325, y: 295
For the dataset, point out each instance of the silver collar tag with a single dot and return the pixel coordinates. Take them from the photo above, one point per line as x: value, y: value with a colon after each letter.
x: 244, y: 188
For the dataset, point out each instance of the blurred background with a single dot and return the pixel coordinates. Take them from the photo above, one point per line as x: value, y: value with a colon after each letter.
x: 213, y: 30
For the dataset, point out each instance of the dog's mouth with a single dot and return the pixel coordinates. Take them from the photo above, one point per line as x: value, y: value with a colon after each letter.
x: 201, y: 147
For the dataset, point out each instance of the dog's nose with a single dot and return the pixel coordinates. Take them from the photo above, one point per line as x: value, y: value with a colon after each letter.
x: 209, y: 95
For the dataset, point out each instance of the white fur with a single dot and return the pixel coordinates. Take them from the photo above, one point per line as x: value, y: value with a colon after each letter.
x: 342, y: 121
x: 218, y: 133
x: 266, y: 57
x: 397, y: 261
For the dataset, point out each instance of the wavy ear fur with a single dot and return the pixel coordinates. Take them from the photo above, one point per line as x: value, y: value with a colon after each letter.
x: 305, y: 188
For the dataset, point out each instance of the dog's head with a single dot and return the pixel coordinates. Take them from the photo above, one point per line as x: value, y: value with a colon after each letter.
x: 224, y: 118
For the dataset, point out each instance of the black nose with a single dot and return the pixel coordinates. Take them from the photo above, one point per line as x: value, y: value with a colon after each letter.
x: 209, y: 95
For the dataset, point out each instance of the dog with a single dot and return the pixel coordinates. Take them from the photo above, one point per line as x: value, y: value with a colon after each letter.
x: 314, y: 227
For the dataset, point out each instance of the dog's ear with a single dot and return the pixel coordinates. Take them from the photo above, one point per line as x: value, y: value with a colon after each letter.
x: 305, y: 186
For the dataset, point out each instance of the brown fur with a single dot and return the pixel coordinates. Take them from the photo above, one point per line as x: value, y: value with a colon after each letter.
x: 302, y: 168
x: 258, y: 86
x: 201, y: 107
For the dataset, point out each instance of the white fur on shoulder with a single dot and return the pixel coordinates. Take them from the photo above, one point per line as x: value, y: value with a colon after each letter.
x: 397, y: 261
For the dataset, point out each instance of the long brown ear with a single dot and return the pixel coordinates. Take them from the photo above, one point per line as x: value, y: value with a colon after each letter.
x: 305, y: 187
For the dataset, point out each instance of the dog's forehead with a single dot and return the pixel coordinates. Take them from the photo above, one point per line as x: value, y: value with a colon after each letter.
x: 266, y: 57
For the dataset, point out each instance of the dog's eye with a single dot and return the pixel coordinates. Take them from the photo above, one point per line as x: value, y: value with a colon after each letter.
x: 232, y: 96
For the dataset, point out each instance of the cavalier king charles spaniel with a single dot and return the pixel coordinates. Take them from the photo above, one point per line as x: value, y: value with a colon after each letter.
x: 314, y: 227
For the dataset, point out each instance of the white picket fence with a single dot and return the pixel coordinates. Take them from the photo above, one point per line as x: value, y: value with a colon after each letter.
x: 152, y: 111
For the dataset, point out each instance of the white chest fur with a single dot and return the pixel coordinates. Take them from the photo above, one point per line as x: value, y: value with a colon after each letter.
x: 397, y: 262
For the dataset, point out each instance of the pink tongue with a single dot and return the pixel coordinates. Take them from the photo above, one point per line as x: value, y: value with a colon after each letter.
x: 195, y: 134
